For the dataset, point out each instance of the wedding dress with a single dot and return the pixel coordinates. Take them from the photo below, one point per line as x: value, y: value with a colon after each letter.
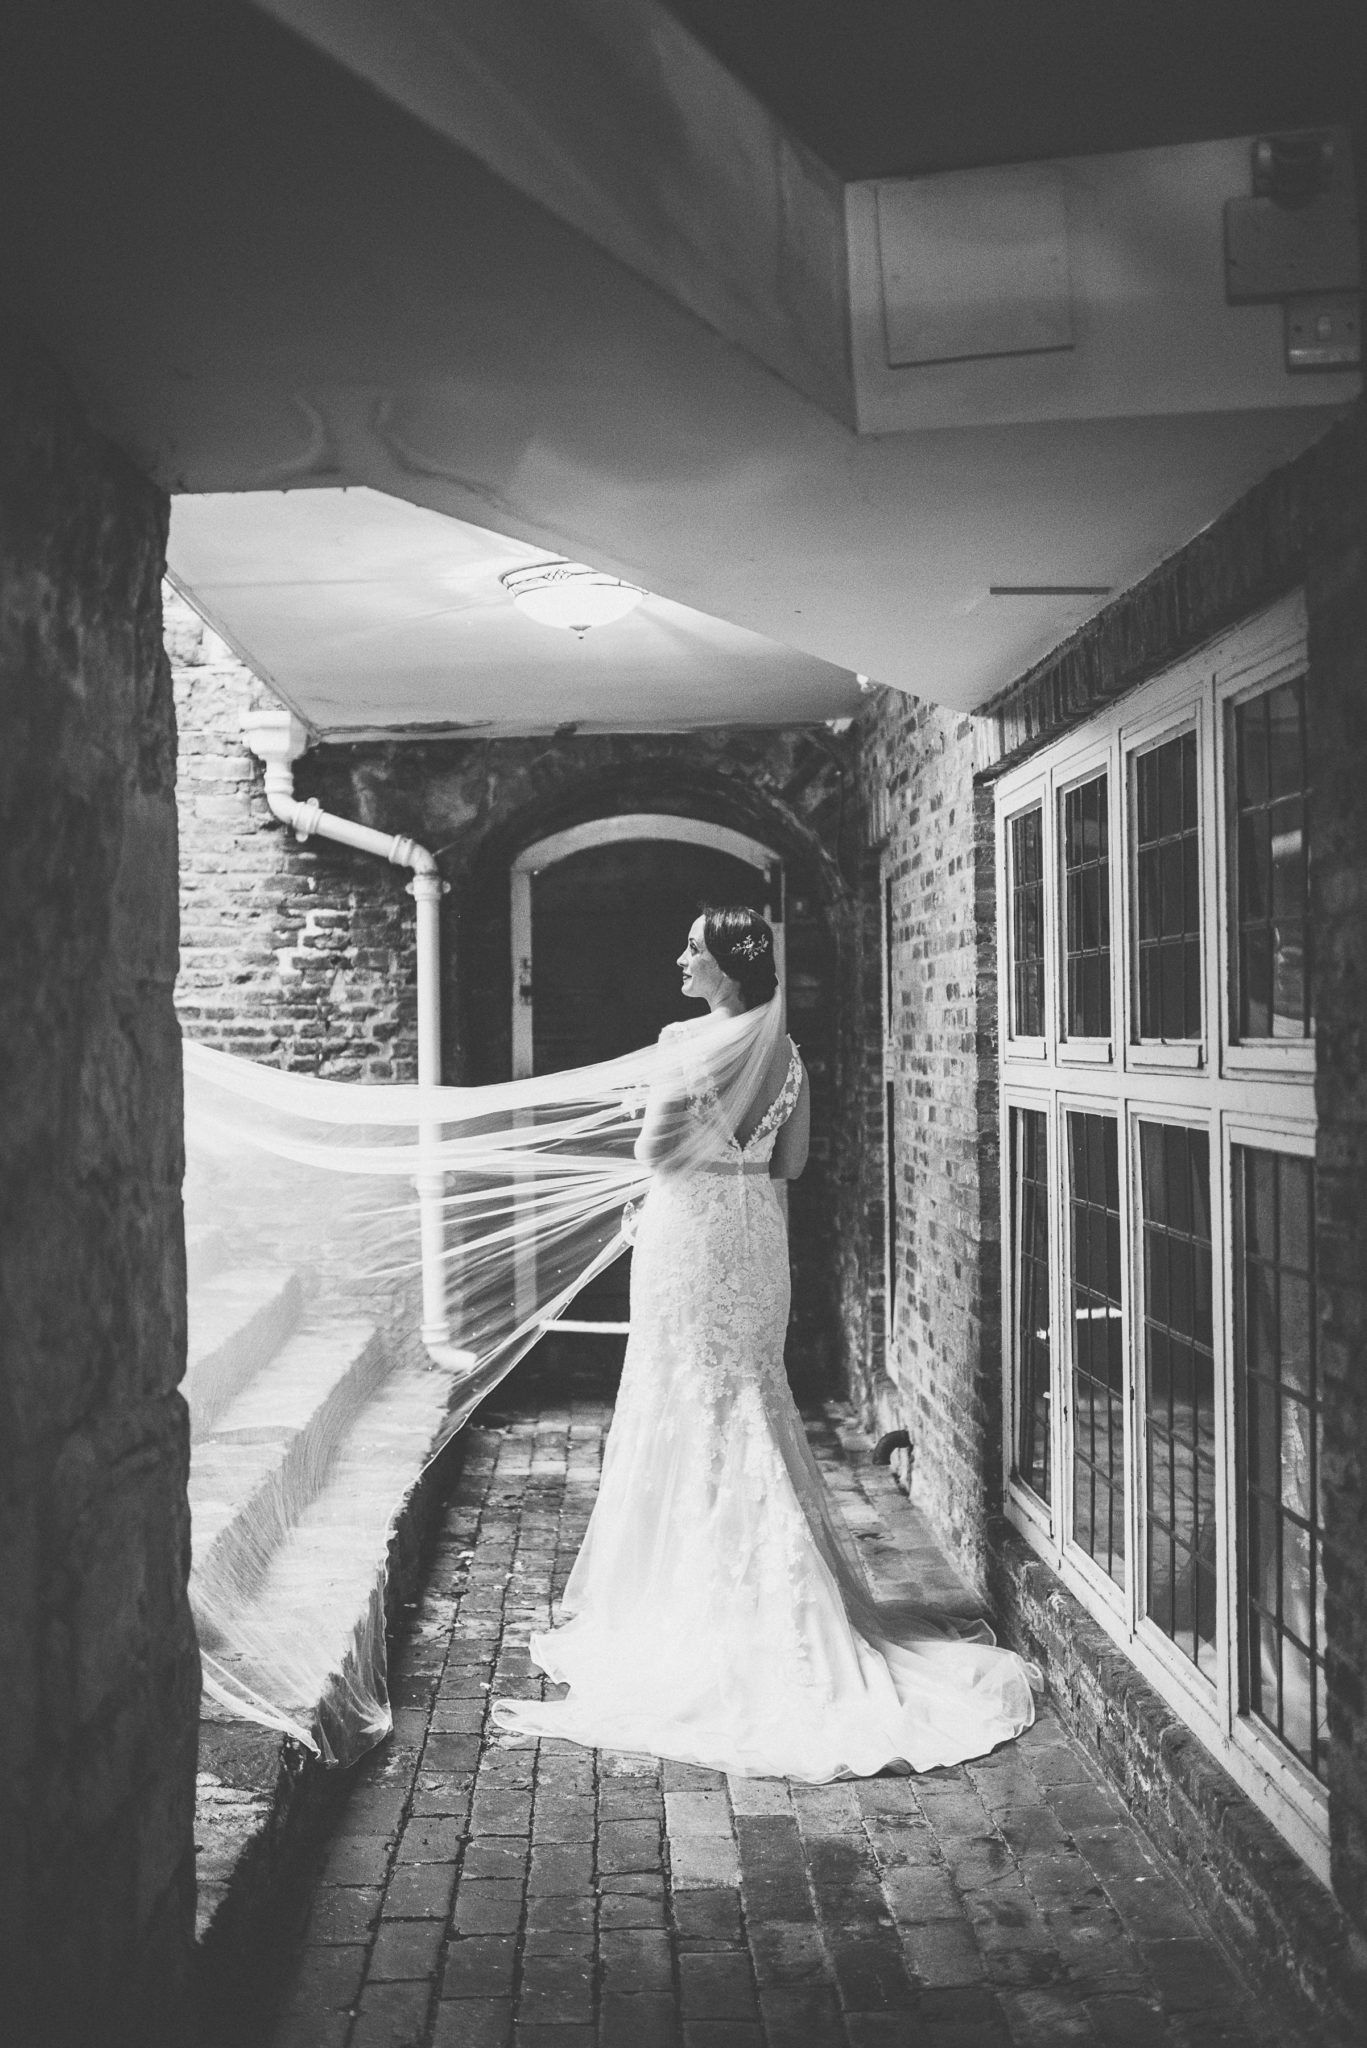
x: 718, y: 1612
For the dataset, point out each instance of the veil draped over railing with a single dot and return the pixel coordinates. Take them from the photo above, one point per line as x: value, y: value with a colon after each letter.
x: 408, y: 1246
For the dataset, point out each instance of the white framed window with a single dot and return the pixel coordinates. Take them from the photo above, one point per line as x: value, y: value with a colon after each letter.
x: 1163, y: 907
x: 1087, y: 912
x: 1096, y: 1537
x: 1025, y: 879
x: 1033, y: 1453
x: 1157, y: 1129
x: 1264, y: 794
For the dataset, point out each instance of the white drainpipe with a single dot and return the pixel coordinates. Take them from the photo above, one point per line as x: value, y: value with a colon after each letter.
x: 278, y: 738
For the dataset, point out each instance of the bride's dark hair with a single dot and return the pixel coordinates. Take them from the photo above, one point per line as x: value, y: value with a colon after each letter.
x: 742, y: 945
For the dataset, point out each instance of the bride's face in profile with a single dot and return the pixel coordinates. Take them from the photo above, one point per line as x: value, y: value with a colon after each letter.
x: 703, y: 979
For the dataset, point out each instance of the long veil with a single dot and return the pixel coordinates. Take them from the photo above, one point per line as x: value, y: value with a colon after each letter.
x: 366, y: 1264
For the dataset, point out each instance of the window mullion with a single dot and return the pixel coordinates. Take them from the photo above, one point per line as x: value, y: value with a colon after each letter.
x: 1053, y: 1001
x: 1218, y: 937
x: 1132, y: 1239
x: 1226, y: 1432
x: 1063, y: 1350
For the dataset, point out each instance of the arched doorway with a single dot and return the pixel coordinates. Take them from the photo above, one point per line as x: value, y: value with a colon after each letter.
x: 604, y: 906
x: 598, y: 915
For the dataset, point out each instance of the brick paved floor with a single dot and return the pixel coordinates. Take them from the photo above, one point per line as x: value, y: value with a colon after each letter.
x: 484, y: 1892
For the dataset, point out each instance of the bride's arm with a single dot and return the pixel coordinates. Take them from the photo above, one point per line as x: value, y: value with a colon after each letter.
x: 794, y: 1137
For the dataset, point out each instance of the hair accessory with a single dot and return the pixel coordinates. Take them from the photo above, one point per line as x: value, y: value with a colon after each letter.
x: 751, y: 946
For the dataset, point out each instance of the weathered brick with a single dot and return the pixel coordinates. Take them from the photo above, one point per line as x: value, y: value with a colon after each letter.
x: 405, y: 1949
x: 420, y: 1891
x: 343, y: 1914
x: 634, y: 1960
x: 487, y: 1906
x: 473, y: 2023
x: 707, y: 1919
x: 480, y: 1966
x: 717, y: 1985
x: 555, y: 1990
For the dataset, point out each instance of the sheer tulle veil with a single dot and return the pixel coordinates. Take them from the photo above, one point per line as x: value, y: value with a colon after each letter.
x: 456, y: 1223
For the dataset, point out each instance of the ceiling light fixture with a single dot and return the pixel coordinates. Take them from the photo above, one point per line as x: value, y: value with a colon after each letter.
x: 570, y: 595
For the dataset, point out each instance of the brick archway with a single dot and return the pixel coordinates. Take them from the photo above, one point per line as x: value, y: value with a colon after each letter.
x: 770, y: 791
x: 639, y: 829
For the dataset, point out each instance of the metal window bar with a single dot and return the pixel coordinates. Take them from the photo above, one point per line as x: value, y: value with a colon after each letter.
x: 1030, y: 1281
x: 1281, y: 1525
x: 1098, y: 1353
x: 1269, y: 865
x: 1168, y: 890
x: 1182, y: 1539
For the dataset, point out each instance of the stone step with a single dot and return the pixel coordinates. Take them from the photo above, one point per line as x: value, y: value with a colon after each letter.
x: 268, y: 1454
x: 238, y: 1321
x: 261, y: 1804
x: 324, y: 1585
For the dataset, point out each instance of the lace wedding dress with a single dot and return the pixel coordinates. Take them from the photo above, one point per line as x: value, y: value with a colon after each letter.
x: 718, y: 1612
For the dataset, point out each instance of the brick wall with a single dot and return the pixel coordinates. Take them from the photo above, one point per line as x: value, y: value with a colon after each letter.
x: 857, y: 1253
x: 1304, y: 525
x: 1336, y: 592
x: 939, y: 1375
x: 302, y: 956
x: 295, y: 954
x: 100, y: 1670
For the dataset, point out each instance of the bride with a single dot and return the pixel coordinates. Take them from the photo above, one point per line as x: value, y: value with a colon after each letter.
x: 718, y: 1612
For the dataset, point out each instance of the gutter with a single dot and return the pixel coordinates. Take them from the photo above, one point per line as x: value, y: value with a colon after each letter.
x: 278, y: 738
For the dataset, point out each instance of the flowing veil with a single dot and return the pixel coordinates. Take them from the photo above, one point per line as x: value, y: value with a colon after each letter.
x: 426, y: 1238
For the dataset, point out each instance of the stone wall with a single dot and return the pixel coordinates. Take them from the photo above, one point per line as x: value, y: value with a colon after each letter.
x: 303, y: 955
x: 100, y: 1669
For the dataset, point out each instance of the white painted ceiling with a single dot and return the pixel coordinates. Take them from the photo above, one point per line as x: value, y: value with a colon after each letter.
x: 370, y: 615
x: 551, y: 272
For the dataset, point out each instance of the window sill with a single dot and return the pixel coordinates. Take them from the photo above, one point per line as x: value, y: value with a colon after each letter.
x: 1270, y: 1059
x: 1181, y: 1056
x: 1086, y: 1052
x: 1026, y: 1049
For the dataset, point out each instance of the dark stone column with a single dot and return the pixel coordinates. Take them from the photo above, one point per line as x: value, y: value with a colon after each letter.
x: 99, y: 1672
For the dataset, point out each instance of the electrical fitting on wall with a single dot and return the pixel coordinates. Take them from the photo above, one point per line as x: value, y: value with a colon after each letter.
x: 1296, y: 239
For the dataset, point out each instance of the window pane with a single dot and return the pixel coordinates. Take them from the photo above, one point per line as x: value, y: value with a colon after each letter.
x: 1030, y: 1270
x: 1098, y: 1361
x: 1271, y: 883
x: 1087, y: 934
x: 1167, y: 885
x: 1027, y: 924
x: 1179, y: 1388
x: 1281, y: 1623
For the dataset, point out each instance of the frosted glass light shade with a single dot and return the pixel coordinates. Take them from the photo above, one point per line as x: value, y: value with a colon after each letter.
x: 570, y: 595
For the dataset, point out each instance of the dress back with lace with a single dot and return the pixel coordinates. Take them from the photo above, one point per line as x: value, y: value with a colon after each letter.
x: 718, y: 1611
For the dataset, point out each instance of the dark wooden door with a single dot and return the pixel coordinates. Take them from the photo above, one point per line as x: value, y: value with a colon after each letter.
x: 608, y: 925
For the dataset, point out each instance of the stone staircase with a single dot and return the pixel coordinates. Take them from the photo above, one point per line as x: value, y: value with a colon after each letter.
x: 312, y: 1418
